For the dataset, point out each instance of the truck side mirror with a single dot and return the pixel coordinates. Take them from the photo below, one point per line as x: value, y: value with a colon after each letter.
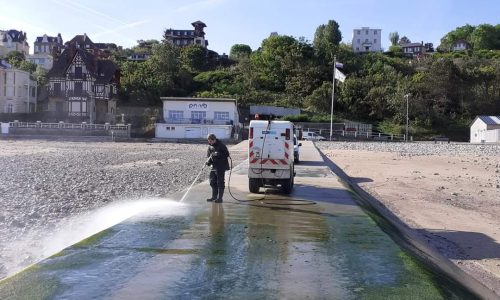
x: 300, y: 144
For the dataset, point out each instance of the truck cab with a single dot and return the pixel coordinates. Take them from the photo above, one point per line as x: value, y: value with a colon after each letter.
x: 271, y: 155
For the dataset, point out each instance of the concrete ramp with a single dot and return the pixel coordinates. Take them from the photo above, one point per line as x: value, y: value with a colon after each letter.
x: 315, y: 243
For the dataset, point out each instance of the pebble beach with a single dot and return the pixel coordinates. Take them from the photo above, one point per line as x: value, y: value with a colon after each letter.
x: 43, y: 183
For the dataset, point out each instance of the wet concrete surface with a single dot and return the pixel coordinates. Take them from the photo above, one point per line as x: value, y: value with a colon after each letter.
x: 316, y: 243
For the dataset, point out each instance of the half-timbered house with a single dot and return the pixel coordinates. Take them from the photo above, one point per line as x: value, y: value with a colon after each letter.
x: 82, y: 87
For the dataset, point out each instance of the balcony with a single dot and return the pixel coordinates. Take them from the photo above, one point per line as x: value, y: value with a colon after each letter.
x: 55, y: 93
x: 72, y: 76
x: 73, y: 93
x: 197, y: 121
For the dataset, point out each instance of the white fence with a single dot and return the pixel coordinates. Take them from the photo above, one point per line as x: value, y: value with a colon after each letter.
x: 348, y: 134
x: 62, y: 128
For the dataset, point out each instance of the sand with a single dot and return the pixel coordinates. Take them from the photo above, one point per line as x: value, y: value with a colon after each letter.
x: 453, y: 201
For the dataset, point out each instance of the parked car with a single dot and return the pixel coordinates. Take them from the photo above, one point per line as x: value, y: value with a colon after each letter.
x: 312, y: 136
x: 296, y: 150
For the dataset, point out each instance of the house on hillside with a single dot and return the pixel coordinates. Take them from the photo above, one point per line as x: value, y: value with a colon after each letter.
x: 366, y: 39
x: 195, y: 118
x: 184, y: 37
x: 17, y: 90
x: 485, y: 129
x: 14, y: 40
x: 100, y: 50
x: 83, y: 87
x: 413, y: 49
x: 45, y: 49
x: 460, y: 45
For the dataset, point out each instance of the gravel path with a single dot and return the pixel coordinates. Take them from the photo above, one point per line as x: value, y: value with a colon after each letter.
x: 43, y: 183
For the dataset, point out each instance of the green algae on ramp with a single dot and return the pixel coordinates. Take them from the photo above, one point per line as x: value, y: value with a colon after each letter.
x: 29, y: 284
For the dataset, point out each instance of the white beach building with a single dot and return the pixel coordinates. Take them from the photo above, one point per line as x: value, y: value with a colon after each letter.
x: 485, y: 129
x: 195, y: 118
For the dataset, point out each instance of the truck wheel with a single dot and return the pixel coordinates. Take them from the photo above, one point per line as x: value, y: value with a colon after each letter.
x: 287, y: 185
x: 253, y: 185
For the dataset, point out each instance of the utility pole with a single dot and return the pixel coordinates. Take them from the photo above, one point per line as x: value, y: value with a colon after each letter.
x: 333, y: 95
x: 406, y: 136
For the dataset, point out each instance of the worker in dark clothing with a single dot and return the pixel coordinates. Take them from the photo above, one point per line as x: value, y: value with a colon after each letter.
x: 217, y: 155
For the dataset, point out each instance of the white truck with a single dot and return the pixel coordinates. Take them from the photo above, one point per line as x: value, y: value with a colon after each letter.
x: 270, y: 155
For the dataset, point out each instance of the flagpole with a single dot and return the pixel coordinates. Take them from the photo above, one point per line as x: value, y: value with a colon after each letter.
x: 333, y: 95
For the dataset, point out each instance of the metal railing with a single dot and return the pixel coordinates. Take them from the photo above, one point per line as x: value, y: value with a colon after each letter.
x: 111, y: 130
x: 347, y: 134
x: 197, y: 121
x: 72, y: 76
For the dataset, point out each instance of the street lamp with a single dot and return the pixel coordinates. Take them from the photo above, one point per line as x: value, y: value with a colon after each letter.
x: 406, y: 136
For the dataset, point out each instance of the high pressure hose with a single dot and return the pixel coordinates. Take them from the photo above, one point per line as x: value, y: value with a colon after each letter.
x: 229, y: 185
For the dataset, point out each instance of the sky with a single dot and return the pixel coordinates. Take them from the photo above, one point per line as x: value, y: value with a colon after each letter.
x: 248, y: 22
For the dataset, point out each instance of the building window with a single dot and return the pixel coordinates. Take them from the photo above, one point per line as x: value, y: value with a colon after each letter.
x: 78, y: 88
x: 78, y: 72
x: 359, y: 41
x: 57, y: 88
x: 221, y: 115
x: 366, y: 31
x: 375, y: 40
x: 175, y: 114
x: 198, y: 116
x: 374, y: 32
x: 10, y: 108
x: 359, y: 31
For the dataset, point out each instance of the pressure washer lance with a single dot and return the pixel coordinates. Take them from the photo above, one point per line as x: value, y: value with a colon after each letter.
x: 206, y: 163
x: 194, y: 181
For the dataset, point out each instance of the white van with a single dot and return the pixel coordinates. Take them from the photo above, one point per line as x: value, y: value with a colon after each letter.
x: 270, y: 155
x: 312, y: 136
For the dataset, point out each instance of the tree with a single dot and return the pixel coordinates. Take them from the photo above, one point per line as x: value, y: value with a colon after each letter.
x: 40, y: 75
x: 394, y: 38
x: 219, y: 82
x: 239, y: 51
x: 326, y: 39
x: 280, y: 58
x: 404, y: 40
x: 14, y: 58
x: 485, y: 36
x: 396, y: 50
x: 321, y: 98
x: 193, y: 58
x: 27, y: 65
